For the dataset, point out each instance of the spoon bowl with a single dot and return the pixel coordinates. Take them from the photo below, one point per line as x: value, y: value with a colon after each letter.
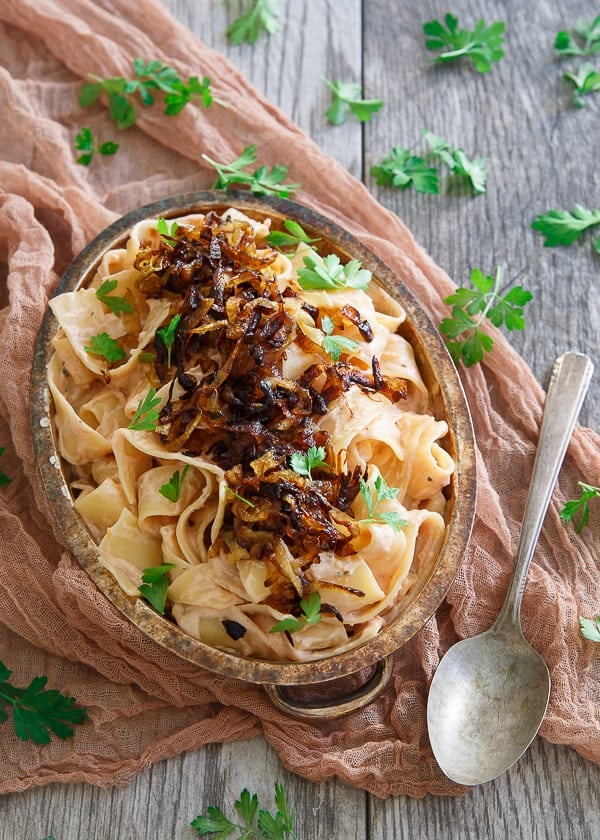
x: 489, y: 695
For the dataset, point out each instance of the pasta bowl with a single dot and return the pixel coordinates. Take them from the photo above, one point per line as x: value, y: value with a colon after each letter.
x: 258, y: 449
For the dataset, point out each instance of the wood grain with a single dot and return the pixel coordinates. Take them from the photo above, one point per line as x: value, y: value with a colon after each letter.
x: 541, y: 154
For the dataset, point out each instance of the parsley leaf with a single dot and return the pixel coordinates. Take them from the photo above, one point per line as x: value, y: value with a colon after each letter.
x: 84, y: 142
x: 468, y: 344
x: 382, y: 493
x: 335, y: 345
x: 121, y: 110
x: 262, y: 15
x: 241, y: 498
x: 167, y: 335
x: 311, y: 614
x: 580, y: 508
x: 329, y: 273
x: 456, y: 160
x: 107, y: 347
x: 172, y: 490
x: 146, y: 415
x: 4, y: 479
x: 562, y: 228
x: 118, y: 305
x: 347, y: 99
x: 303, y: 464
x: 167, y: 231
x: 176, y: 101
x: 37, y: 711
x: 294, y: 236
x: 261, y: 182
x: 586, y: 80
x: 403, y: 169
x: 258, y: 823
x: 590, y: 629
x: 588, y: 33
x: 483, y: 45
x: 155, y: 585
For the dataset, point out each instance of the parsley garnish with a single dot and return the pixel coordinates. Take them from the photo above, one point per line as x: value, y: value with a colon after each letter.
x: 241, y: 498
x: 295, y: 236
x: 262, y: 15
x: 483, y: 45
x: 303, y: 464
x: 118, y: 305
x: 107, y: 347
x: 347, y: 99
x: 167, y: 335
x: 562, y: 228
x: 469, y: 344
x: 38, y: 711
x: 4, y: 479
x: 382, y: 493
x: 588, y: 34
x: 146, y: 415
x: 329, y: 273
x: 586, y: 80
x: 590, y: 628
x: 84, y: 142
x: 580, y: 508
x: 311, y: 614
x: 457, y: 162
x: 335, y: 345
x: 167, y: 231
x: 172, y: 490
x: 155, y: 585
x: 278, y: 826
x: 176, y: 101
x: 261, y: 182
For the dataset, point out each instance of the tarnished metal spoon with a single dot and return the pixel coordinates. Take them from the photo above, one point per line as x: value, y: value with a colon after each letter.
x: 489, y: 694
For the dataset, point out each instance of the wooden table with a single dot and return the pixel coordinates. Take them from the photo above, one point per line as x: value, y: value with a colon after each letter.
x: 541, y: 154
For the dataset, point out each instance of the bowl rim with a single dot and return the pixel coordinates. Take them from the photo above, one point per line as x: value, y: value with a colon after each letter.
x: 164, y: 631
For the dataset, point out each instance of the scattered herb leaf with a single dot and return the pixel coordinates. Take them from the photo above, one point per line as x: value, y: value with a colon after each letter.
x: 107, y: 347
x: 382, y: 493
x: 588, y: 33
x: 402, y: 169
x: 261, y: 182
x: 347, y: 99
x: 37, y: 711
x: 172, y: 489
x: 311, y: 614
x: 167, y: 334
x: 155, y: 585
x: 303, y: 464
x: 335, y: 345
x: 241, y: 498
x: 295, y: 236
x: 577, y: 511
x: 329, y: 273
x: 176, y: 101
x: 456, y: 160
x: 4, y: 479
x: 590, y: 628
x: 585, y: 80
x: 167, y: 231
x: 559, y: 227
x: 262, y: 15
x: 118, y: 305
x: 468, y: 344
x: 278, y: 826
x: 483, y: 45
x: 146, y: 415
x: 84, y: 142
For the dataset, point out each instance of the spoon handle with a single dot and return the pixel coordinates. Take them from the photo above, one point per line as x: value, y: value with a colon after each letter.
x: 569, y: 382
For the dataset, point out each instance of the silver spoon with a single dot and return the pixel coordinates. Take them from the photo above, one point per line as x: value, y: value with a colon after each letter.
x: 489, y: 694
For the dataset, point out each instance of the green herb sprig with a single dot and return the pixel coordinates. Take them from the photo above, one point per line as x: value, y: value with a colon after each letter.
x: 172, y: 489
x: 465, y: 339
x: 329, y: 273
x: 146, y: 415
x: 155, y: 584
x: 106, y: 347
x: 335, y: 345
x: 86, y: 143
x: 260, y: 182
x: 346, y: 99
x: 311, y: 614
x: 577, y: 511
x: 373, y: 500
x: 4, y: 479
x: 293, y: 236
x: 118, y: 305
x: 258, y: 824
x: 561, y: 227
x: 304, y: 463
x: 586, y: 79
x: 38, y: 712
x: 262, y: 16
x: 585, y: 44
x: 167, y: 231
x: 590, y: 628
x: 167, y: 335
x: 483, y: 45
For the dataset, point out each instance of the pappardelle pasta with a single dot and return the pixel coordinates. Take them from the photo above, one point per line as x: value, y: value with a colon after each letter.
x: 248, y: 437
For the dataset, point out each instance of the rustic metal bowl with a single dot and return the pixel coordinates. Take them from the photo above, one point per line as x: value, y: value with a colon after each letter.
x: 440, y: 376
